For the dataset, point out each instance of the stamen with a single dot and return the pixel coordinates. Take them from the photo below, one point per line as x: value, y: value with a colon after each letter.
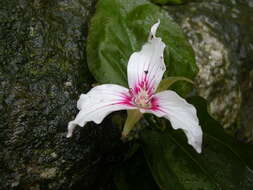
x: 142, y: 97
x: 150, y: 98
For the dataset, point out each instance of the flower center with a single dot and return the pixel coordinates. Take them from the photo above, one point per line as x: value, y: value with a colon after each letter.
x: 142, y: 99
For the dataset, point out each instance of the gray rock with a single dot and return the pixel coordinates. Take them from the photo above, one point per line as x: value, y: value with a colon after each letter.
x: 43, y: 71
x: 221, y: 36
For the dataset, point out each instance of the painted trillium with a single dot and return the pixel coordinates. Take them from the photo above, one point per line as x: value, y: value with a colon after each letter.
x: 145, y: 70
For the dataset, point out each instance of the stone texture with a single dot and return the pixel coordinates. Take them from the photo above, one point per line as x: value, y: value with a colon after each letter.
x: 220, y: 34
x: 43, y: 71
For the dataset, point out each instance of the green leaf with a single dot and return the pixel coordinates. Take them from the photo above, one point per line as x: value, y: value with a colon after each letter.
x: 223, y: 164
x: 167, y: 82
x: 121, y: 27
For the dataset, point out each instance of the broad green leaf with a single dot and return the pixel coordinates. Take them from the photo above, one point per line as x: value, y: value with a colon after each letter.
x: 173, y: 2
x: 167, y: 82
x: 121, y: 27
x: 134, y: 174
x: 223, y: 164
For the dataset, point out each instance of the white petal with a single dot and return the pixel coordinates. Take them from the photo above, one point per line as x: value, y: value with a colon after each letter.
x: 147, y: 63
x: 98, y: 103
x: 181, y: 114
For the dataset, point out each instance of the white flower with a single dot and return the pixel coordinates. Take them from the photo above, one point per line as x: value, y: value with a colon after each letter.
x: 145, y: 70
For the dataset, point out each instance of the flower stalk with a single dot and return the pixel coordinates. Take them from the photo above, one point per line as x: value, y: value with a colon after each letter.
x: 133, y: 116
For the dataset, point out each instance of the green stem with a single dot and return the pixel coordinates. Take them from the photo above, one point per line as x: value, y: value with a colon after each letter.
x: 133, y: 116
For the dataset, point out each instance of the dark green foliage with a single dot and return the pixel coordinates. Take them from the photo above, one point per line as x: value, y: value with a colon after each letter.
x: 223, y: 163
x: 134, y: 174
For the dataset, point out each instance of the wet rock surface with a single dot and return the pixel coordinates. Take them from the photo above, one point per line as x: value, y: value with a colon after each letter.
x: 221, y: 36
x: 43, y: 71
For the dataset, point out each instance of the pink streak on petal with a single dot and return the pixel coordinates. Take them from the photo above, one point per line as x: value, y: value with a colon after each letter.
x: 155, y: 104
x: 136, y: 89
x: 126, y: 100
x: 150, y: 90
x: 145, y: 85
